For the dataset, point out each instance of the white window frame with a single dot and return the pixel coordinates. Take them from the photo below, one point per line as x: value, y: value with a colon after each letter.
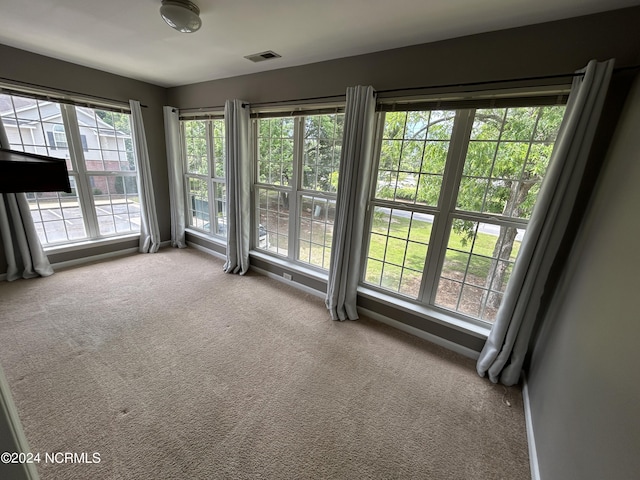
x: 444, y: 214
x: 79, y: 176
x: 261, y: 240
x: 217, y: 208
x: 60, y: 137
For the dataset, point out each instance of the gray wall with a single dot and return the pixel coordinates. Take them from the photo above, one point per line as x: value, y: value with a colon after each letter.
x: 550, y: 48
x: 583, y: 380
x: 22, y: 66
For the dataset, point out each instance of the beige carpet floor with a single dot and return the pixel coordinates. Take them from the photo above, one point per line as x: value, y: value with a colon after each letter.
x: 171, y: 369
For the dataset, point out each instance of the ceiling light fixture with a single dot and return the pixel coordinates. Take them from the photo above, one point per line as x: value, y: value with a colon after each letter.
x: 182, y: 15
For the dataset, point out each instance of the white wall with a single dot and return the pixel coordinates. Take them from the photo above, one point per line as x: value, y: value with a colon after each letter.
x: 584, y: 381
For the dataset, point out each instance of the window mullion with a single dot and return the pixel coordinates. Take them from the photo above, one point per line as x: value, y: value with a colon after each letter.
x: 294, y: 200
x: 463, y: 124
x: 255, y: 215
x: 213, y: 214
x: 85, y: 192
x: 185, y: 174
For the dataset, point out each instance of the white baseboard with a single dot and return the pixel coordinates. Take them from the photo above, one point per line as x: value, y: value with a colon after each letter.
x: 94, y: 258
x: 531, y: 439
x: 448, y: 344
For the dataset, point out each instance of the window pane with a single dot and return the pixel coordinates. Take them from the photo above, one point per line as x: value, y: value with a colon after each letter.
x: 217, y: 128
x: 316, y: 230
x: 275, y: 151
x: 195, y: 140
x: 220, y: 209
x: 321, y: 156
x: 273, y: 214
x: 413, y: 154
x: 106, y: 140
x: 477, y: 265
x: 57, y: 216
x: 198, y: 203
x: 117, y: 203
x: 34, y: 126
x: 398, y: 245
x: 507, y: 158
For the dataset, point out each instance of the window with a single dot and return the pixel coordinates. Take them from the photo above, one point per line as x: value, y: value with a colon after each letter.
x: 59, y: 136
x: 98, y: 150
x: 453, y: 194
x: 204, y: 175
x: 297, y: 163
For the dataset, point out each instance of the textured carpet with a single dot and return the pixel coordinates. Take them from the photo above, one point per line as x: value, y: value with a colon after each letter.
x: 171, y: 369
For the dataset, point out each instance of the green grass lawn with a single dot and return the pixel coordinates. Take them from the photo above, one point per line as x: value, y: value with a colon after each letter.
x: 407, y: 246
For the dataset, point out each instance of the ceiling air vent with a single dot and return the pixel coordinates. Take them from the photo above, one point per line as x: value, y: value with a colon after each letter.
x: 261, y: 57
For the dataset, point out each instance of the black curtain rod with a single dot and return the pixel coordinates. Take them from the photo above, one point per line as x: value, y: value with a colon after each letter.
x: 261, y: 104
x: 484, y: 82
x: 63, y: 91
x: 408, y: 89
x: 508, y: 80
x: 279, y: 102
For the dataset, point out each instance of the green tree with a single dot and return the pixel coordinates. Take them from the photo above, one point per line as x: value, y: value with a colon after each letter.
x: 320, y: 152
x: 507, y: 158
x: 413, y: 155
x: 195, y: 138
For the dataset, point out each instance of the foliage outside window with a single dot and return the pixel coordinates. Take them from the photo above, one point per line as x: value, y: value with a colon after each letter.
x: 453, y: 194
x: 297, y: 163
x: 204, y: 151
x: 98, y: 150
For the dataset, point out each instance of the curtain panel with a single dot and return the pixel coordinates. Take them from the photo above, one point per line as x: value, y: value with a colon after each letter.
x: 238, y: 171
x: 504, y: 352
x: 176, y: 176
x: 22, y: 248
x: 149, y: 229
x: 356, y: 161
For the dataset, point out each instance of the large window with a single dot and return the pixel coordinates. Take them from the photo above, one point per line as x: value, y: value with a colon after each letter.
x: 98, y: 150
x: 205, y: 175
x: 453, y: 194
x: 297, y: 163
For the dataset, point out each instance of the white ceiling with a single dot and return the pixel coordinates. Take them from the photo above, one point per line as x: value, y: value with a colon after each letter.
x: 128, y: 37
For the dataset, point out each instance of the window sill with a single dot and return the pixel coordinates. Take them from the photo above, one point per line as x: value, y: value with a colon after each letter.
x: 71, y: 247
x: 469, y: 327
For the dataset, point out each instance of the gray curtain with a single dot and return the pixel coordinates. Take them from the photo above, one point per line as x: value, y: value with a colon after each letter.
x: 149, y: 229
x: 176, y: 173
x: 238, y: 170
x: 22, y: 248
x: 353, y: 194
x: 504, y: 352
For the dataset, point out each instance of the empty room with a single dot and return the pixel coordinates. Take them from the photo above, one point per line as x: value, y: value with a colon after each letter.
x: 325, y: 240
